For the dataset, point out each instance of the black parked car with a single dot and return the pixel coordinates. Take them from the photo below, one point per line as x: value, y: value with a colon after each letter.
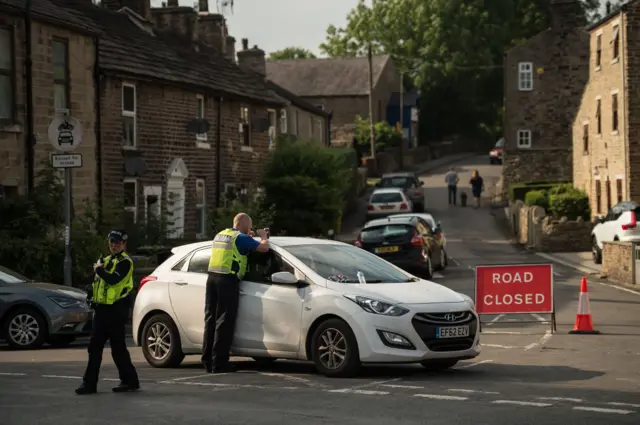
x: 407, y: 242
x: 409, y: 183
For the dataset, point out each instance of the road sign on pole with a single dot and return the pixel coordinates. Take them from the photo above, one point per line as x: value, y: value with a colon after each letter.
x: 65, y: 135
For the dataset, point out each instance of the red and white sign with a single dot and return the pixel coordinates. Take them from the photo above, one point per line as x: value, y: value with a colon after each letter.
x: 514, y: 289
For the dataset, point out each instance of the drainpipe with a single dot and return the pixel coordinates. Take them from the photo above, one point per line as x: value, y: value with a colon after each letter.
x: 98, y: 126
x: 218, y: 149
x: 30, y: 140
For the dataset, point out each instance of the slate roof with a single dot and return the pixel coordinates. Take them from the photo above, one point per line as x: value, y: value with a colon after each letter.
x: 326, y: 77
x: 47, y: 11
x: 125, y: 48
x: 296, y: 100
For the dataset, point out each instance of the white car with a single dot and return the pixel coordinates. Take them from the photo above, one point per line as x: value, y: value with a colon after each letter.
x: 303, y: 300
x: 384, y: 202
x: 620, y: 224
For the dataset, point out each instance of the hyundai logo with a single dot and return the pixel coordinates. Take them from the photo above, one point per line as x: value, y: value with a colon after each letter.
x: 450, y: 317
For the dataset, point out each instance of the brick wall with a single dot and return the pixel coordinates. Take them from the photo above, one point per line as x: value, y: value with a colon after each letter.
x: 81, y: 91
x: 305, y: 125
x: 631, y: 57
x: 618, y: 261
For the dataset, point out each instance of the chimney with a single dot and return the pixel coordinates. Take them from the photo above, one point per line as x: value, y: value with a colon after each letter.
x: 179, y: 20
x: 141, y: 7
x: 212, y: 30
x: 567, y: 15
x: 230, y: 48
x: 252, y: 59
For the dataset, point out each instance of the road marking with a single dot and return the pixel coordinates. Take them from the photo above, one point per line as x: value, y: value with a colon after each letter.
x: 441, y: 397
x: 539, y: 318
x: 613, y: 403
x: 62, y: 376
x: 374, y: 384
x: 12, y: 374
x: 291, y: 378
x: 408, y: 387
x: 557, y: 274
x: 541, y: 342
x: 573, y: 400
x: 467, y: 366
x: 498, y: 346
x: 437, y: 276
x: 522, y: 403
x: 603, y: 410
x: 495, y: 319
x: 184, y: 378
x: 456, y: 262
x: 505, y: 333
x: 364, y: 392
x: 462, y: 390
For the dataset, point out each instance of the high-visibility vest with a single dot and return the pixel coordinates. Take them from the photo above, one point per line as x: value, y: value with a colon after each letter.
x: 225, y: 257
x: 109, y: 294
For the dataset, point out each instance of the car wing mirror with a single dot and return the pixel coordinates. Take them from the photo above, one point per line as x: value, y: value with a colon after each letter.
x: 284, y: 278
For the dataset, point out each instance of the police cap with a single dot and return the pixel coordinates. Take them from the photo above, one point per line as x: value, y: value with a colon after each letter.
x: 118, y: 235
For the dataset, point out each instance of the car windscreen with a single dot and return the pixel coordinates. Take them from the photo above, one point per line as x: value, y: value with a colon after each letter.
x: 386, y: 198
x: 385, y: 231
x: 401, y: 182
x: 500, y: 143
x: 9, y: 276
x: 341, y: 263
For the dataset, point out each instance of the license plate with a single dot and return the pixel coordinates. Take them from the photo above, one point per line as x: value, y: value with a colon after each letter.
x: 386, y: 207
x: 452, y: 332
x: 386, y: 249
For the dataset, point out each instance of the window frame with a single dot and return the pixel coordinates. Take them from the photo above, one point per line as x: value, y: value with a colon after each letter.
x: 10, y: 73
x: 130, y: 114
x: 615, y: 41
x: 615, y: 112
x: 525, y: 72
x: 134, y: 208
x: 66, y: 82
x: 608, y: 193
x: 585, y: 137
x: 201, y: 113
x: 245, y: 122
x: 284, y: 121
x: 598, y: 196
x: 225, y: 199
x: 185, y: 268
x: 598, y: 51
x: 523, y: 132
x: 619, y: 189
x: 599, y: 116
x: 273, y: 256
x: 201, y: 208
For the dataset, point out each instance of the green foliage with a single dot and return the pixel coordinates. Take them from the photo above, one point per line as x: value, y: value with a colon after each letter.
x: 385, y: 135
x: 518, y: 191
x: 261, y: 212
x: 571, y: 204
x: 537, y: 198
x: 291, y: 53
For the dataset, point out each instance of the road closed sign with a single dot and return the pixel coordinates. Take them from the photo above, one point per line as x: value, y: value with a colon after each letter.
x: 514, y: 289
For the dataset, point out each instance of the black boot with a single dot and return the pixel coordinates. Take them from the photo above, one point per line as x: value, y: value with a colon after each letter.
x: 126, y: 388
x: 208, y: 367
x: 85, y: 389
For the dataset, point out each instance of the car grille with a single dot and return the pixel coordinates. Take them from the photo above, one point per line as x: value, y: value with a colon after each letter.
x: 426, y: 325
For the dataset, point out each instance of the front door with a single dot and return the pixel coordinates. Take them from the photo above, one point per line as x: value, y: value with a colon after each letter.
x: 175, y: 210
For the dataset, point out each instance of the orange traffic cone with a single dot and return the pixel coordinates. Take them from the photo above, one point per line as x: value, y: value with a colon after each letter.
x: 584, y: 324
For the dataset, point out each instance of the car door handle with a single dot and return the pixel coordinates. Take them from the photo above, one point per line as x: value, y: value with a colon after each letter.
x: 181, y: 283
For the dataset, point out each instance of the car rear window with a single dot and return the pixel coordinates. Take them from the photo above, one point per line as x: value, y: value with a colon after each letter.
x: 386, y: 231
x: 396, y: 182
x: 383, y: 198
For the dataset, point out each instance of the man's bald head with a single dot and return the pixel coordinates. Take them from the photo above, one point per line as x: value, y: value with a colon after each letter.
x: 242, y: 222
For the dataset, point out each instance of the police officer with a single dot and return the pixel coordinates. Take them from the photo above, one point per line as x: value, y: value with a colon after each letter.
x: 110, y: 298
x: 227, y: 266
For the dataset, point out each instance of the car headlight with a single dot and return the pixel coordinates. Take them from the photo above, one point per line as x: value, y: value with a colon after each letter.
x: 68, y: 302
x: 469, y: 301
x: 371, y: 305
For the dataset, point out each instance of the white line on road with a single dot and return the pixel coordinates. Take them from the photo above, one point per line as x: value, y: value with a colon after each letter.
x: 441, y: 397
x: 539, y: 318
x: 573, y: 400
x: 12, y: 374
x: 495, y: 319
x: 364, y: 392
x: 541, y: 342
x: 613, y: 403
x: 462, y: 390
x: 505, y: 333
x: 437, y: 276
x: 184, y: 378
x: 374, y: 384
x: 408, y: 387
x: 456, y: 262
x: 498, y: 346
x: 522, y: 403
x: 467, y: 366
x: 62, y: 376
x: 603, y: 410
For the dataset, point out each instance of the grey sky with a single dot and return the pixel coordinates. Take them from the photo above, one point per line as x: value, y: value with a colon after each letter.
x: 276, y: 24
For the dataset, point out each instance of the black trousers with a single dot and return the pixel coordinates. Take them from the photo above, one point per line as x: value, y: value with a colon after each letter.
x: 220, y: 313
x: 109, y: 323
x: 452, y: 194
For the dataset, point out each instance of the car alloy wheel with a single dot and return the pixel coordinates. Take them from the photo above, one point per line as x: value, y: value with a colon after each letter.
x: 159, y: 341
x: 23, y: 329
x: 333, y: 349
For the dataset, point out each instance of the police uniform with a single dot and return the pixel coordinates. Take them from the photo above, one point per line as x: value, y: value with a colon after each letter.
x: 227, y: 266
x: 110, y: 299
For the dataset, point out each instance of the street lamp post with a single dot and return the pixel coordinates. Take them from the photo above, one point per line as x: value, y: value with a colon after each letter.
x: 371, y: 128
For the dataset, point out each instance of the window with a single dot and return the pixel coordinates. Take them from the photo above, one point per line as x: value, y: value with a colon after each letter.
x: 229, y: 194
x: 598, y: 197
x: 273, y: 123
x: 598, y: 116
x: 585, y: 138
x: 260, y: 266
x: 608, y: 186
x: 614, y: 112
x: 524, y: 138
x: 386, y: 198
x: 318, y: 130
x: 61, y: 75
x: 6, y: 73
x: 199, y: 262
x: 619, y: 193
x: 153, y: 204
x: 246, y: 126
x: 284, y: 124
x: 615, y: 41
x: 598, y: 50
x: 200, y: 115
x: 129, y: 105
x: 525, y: 76
x: 201, y: 208
x: 131, y: 199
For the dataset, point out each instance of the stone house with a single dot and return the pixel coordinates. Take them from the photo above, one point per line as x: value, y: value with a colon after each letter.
x: 544, y: 79
x: 341, y: 86
x: 63, y: 59
x: 299, y: 118
x: 606, y: 131
x: 180, y: 123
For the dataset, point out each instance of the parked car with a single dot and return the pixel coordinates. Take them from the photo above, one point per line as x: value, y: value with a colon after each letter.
x: 410, y: 183
x: 438, y: 234
x: 495, y: 155
x: 407, y: 242
x: 309, y: 299
x: 34, y: 313
x: 384, y: 202
x: 620, y: 224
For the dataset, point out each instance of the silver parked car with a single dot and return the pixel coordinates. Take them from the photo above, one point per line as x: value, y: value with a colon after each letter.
x: 34, y: 313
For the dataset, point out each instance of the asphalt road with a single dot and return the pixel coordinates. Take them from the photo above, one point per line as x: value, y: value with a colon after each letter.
x: 525, y: 375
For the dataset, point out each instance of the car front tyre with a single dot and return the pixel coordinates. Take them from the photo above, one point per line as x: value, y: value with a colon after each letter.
x: 438, y: 365
x: 596, y: 252
x: 335, y: 349
x: 25, y: 329
x: 160, y: 342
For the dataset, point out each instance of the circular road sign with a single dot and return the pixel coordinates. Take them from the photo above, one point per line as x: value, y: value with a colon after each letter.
x: 65, y: 133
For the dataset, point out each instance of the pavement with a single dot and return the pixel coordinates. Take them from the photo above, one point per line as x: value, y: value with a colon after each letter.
x: 525, y: 374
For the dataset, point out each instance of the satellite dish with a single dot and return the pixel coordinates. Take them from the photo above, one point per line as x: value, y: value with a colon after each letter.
x: 135, y: 166
x: 198, y: 126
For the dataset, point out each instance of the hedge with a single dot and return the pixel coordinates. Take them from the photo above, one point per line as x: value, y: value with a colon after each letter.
x: 518, y: 191
x: 570, y: 203
x: 538, y: 198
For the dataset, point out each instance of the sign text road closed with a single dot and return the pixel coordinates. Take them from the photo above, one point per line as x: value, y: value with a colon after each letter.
x: 513, y: 289
x: 66, y: 160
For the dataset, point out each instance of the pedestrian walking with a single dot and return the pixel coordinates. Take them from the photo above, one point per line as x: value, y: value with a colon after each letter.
x: 477, y: 186
x: 110, y: 299
x: 452, y: 179
x: 227, y: 266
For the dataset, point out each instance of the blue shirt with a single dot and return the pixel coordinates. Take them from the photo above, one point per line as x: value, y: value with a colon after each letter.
x: 246, y: 244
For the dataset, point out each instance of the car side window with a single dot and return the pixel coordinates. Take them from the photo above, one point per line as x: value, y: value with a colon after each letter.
x: 261, y: 266
x: 199, y: 262
x: 614, y: 213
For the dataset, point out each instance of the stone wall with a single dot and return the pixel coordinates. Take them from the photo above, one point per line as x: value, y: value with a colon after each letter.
x: 536, y: 230
x: 389, y: 160
x: 618, y: 261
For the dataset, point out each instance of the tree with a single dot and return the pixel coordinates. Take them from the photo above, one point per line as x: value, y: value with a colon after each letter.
x: 291, y: 53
